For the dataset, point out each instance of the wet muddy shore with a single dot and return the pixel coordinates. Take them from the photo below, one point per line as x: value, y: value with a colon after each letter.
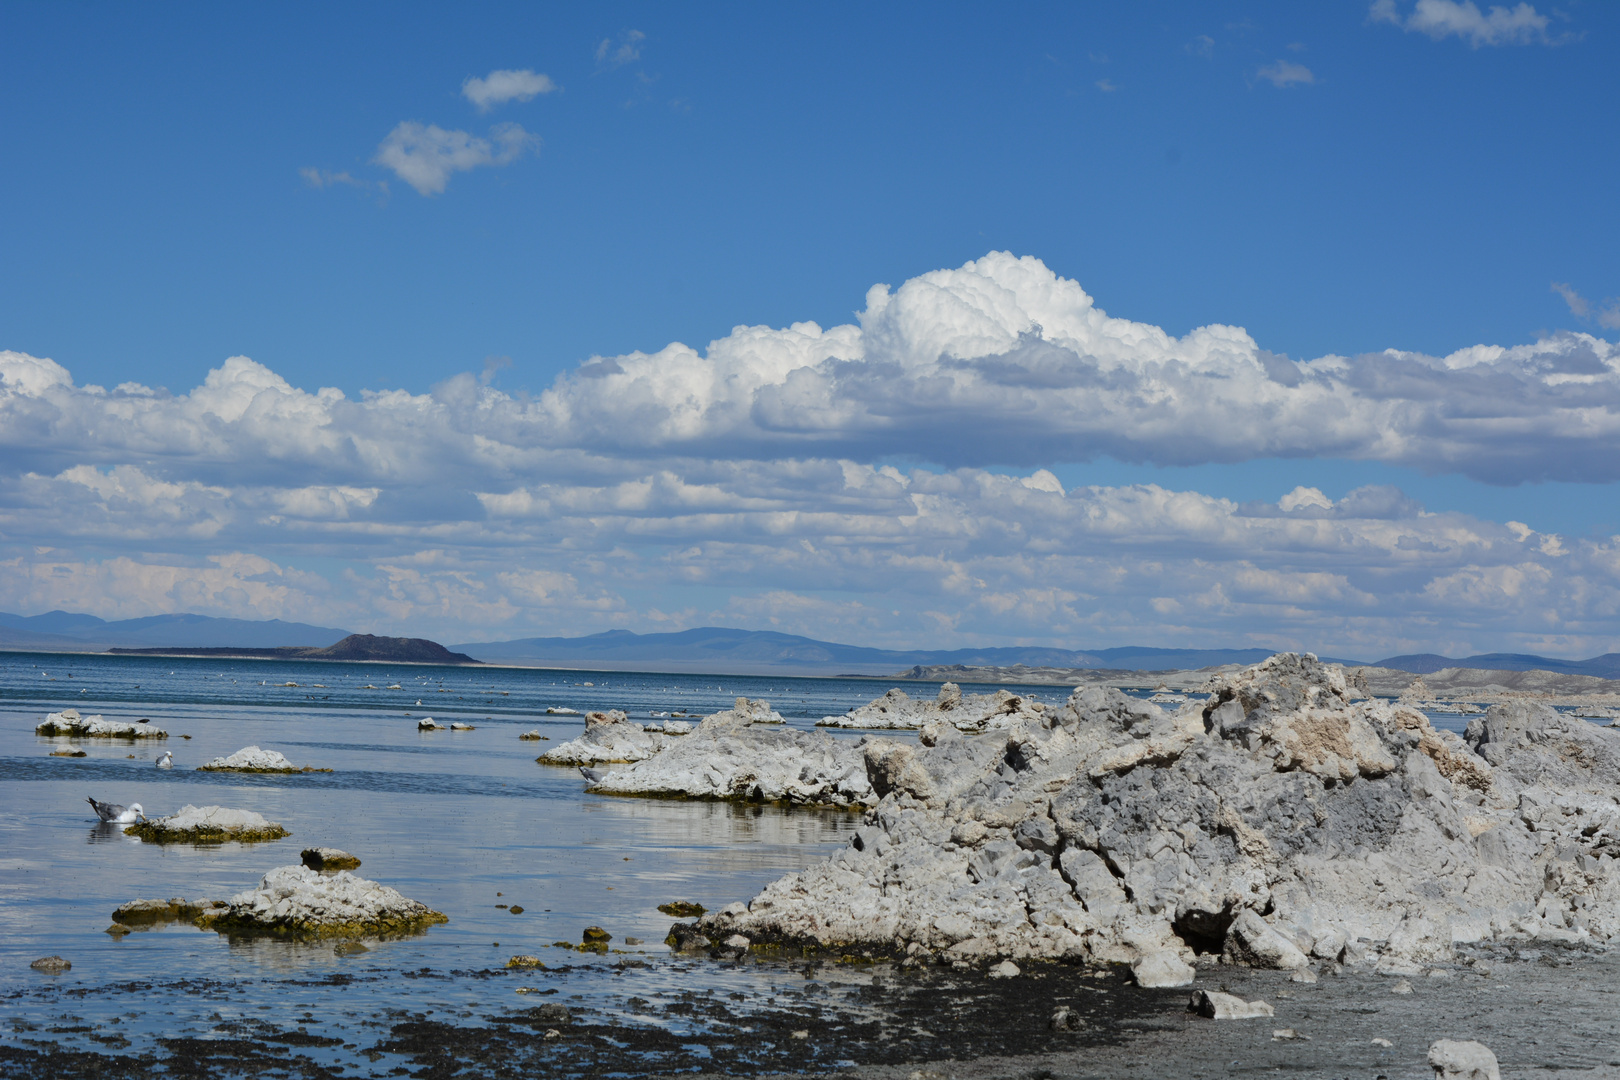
x: 1547, y: 1012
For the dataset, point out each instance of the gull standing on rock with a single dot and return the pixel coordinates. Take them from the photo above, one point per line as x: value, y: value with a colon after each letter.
x: 167, y: 760
x: 115, y: 814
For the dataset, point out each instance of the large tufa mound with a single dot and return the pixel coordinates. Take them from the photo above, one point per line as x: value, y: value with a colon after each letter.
x: 250, y: 759
x: 1277, y: 822
x: 610, y: 738
x: 747, y: 754
x: 295, y: 901
x: 897, y: 710
x: 69, y: 724
x: 207, y: 825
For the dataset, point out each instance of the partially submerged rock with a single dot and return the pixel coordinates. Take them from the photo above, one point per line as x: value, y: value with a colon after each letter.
x: 250, y: 759
x: 896, y: 710
x: 747, y: 754
x: 52, y: 964
x: 295, y: 901
x: 610, y: 738
x: 328, y: 858
x: 69, y: 724
x: 207, y: 825
x: 149, y: 913
x: 1283, y: 819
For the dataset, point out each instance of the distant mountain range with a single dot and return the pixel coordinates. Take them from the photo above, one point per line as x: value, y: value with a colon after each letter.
x: 712, y: 649
x: 1606, y: 666
x: 65, y: 631
x: 744, y: 652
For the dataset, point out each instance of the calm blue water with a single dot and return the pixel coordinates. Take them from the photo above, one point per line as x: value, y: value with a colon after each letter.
x: 459, y: 820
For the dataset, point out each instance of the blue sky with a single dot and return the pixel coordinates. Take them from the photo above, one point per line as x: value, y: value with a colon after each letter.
x: 198, y: 183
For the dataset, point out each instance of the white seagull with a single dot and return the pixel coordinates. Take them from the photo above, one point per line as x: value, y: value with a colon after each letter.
x: 115, y: 814
x: 167, y: 760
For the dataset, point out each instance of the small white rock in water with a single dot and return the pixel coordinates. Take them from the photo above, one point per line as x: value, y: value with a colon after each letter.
x: 52, y: 964
x: 1303, y: 975
x: 1005, y: 970
x: 208, y: 825
x: 1287, y: 1034
x: 459, y: 726
x: 1402, y: 987
x: 1215, y: 1005
x: 427, y: 723
x: 1065, y: 1019
x: 1457, y: 1060
x: 1382, y: 1042
x: 68, y: 723
x: 252, y: 759
x: 737, y: 941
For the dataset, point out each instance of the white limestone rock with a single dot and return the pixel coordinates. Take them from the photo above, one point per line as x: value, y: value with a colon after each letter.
x: 1283, y: 818
x: 69, y: 724
x: 747, y: 753
x: 897, y: 710
x: 1453, y: 1059
x: 1214, y: 1005
x: 610, y: 738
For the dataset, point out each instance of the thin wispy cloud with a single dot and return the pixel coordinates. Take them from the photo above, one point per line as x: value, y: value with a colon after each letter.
x: 500, y: 87
x: 1202, y: 45
x: 1107, y: 86
x: 1285, y: 73
x: 426, y: 155
x: 626, y: 51
x: 323, y: 178
x: 1606, y: 314
x: 1521, y: 24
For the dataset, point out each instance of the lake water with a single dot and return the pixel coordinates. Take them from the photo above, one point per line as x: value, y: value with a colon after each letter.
x: 462, y: 821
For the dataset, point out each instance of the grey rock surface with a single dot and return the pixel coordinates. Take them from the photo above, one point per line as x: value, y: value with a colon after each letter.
x: 610, y: 738
x: 1286, y: 817
x: 747, y: 753
x: 897, y: 710
x: 69, y: 724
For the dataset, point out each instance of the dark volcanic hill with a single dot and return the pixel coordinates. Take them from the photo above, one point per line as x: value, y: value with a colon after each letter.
x: 400, y: 650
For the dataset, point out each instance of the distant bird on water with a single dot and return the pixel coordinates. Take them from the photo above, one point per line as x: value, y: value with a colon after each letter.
x: 115, y: 814
x: 167, y: 760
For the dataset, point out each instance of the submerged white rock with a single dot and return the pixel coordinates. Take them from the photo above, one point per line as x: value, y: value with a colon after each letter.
x: 69, y: 724
x: 897, y: 710
x: 1285, y: 818
x: 747, y: 753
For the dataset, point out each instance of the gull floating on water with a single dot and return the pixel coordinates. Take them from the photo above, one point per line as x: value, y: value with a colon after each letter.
x: 167, y: 760
x: 117, y: 815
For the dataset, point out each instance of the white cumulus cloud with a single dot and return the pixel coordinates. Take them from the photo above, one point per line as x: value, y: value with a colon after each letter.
x: 1521, y: 24
x: 425, y: 155
x: 499, y: 87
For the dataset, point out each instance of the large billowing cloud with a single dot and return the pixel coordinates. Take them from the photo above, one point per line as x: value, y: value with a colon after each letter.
x: 746, y: 484
x: 1000, y: 362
